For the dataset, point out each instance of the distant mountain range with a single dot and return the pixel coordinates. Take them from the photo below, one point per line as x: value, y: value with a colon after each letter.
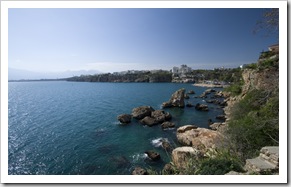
x: 20, y: 74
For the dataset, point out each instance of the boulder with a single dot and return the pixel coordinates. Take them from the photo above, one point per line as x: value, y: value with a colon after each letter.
x: 139, y: 171
x: 167, y: 125
x: 153, y: 155
x: 124, y: 118
x: 186, y: 96
x: 182, y: 155
x: 141, y: 112
x: 201, y: 107
x: 149, y: 121
x: 177, y: 99
x: 161, y: 116
x: 200, y: 138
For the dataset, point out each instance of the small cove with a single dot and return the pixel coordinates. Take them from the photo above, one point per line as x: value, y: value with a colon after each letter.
x: 72, y: 128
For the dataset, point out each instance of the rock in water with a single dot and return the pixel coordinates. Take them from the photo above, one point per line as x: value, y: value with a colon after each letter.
x: 191, y: 92
x: 161, y: 116
x: 141, y: 112
x: 221, y: 117
x: 149, y: 121
x: 153, y: 155
x: 124, y: 118
x: 177, y: 100
x: 167, y: 146
x: 201, y: 107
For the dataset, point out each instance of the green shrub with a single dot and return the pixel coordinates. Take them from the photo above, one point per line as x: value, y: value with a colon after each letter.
x: 235, y: 89
x: 254, y: 123
x: 252, y: 66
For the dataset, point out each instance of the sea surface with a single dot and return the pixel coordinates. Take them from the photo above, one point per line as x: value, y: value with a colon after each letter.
x: 71, y: 128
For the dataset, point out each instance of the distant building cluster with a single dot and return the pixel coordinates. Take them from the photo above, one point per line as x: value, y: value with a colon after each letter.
x: 182, y: 70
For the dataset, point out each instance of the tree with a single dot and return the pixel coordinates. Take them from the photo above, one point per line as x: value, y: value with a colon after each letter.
x: 269, y: 22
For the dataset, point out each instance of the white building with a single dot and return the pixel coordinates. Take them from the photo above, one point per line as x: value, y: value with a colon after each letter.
x: 184, y: 69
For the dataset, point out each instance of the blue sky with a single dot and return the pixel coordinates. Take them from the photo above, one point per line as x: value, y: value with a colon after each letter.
x: 110, y: 40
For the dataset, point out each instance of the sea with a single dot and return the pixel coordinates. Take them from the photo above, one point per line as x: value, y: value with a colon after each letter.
x: 71, y: 128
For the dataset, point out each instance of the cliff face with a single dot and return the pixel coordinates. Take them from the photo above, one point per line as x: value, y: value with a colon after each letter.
x: 266, y: 79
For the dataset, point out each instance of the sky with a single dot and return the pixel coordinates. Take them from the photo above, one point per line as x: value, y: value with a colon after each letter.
x: 113, y: 40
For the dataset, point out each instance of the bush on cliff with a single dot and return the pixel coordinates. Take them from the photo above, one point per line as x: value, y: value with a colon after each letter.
x: 254, y: 122
x: 235, y: 89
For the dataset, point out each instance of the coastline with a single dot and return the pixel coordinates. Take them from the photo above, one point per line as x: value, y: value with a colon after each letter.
x: 210, y: 85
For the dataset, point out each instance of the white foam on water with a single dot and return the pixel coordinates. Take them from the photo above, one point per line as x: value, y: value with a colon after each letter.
x: 138, y: 157
x: 158, y: 141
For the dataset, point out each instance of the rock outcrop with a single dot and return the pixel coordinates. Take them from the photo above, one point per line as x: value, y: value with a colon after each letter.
x: 177, y: 100
x: 181, y: 156
x: 267, y: 79
x: 267, y: 161
x: 200, y: 138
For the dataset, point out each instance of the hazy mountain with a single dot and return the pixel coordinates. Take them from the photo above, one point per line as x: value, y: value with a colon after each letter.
x: 18, y: 74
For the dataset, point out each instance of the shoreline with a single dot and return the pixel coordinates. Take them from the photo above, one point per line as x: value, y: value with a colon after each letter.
x: 209, y: 85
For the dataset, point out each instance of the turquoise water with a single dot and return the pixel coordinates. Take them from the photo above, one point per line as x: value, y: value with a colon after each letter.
x: 68, y: 128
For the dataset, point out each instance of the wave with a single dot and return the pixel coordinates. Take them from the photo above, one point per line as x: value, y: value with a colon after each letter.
x: 158, y: 141
x: 138, y: 157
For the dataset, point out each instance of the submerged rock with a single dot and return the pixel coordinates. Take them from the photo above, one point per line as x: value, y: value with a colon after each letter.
x: 141, y: 112
x: 189, y: 104
x: 124, y: 118
x: 167, y: 146
x: 177, y: 100
x: 120, y: 161
x: 186, y: 96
